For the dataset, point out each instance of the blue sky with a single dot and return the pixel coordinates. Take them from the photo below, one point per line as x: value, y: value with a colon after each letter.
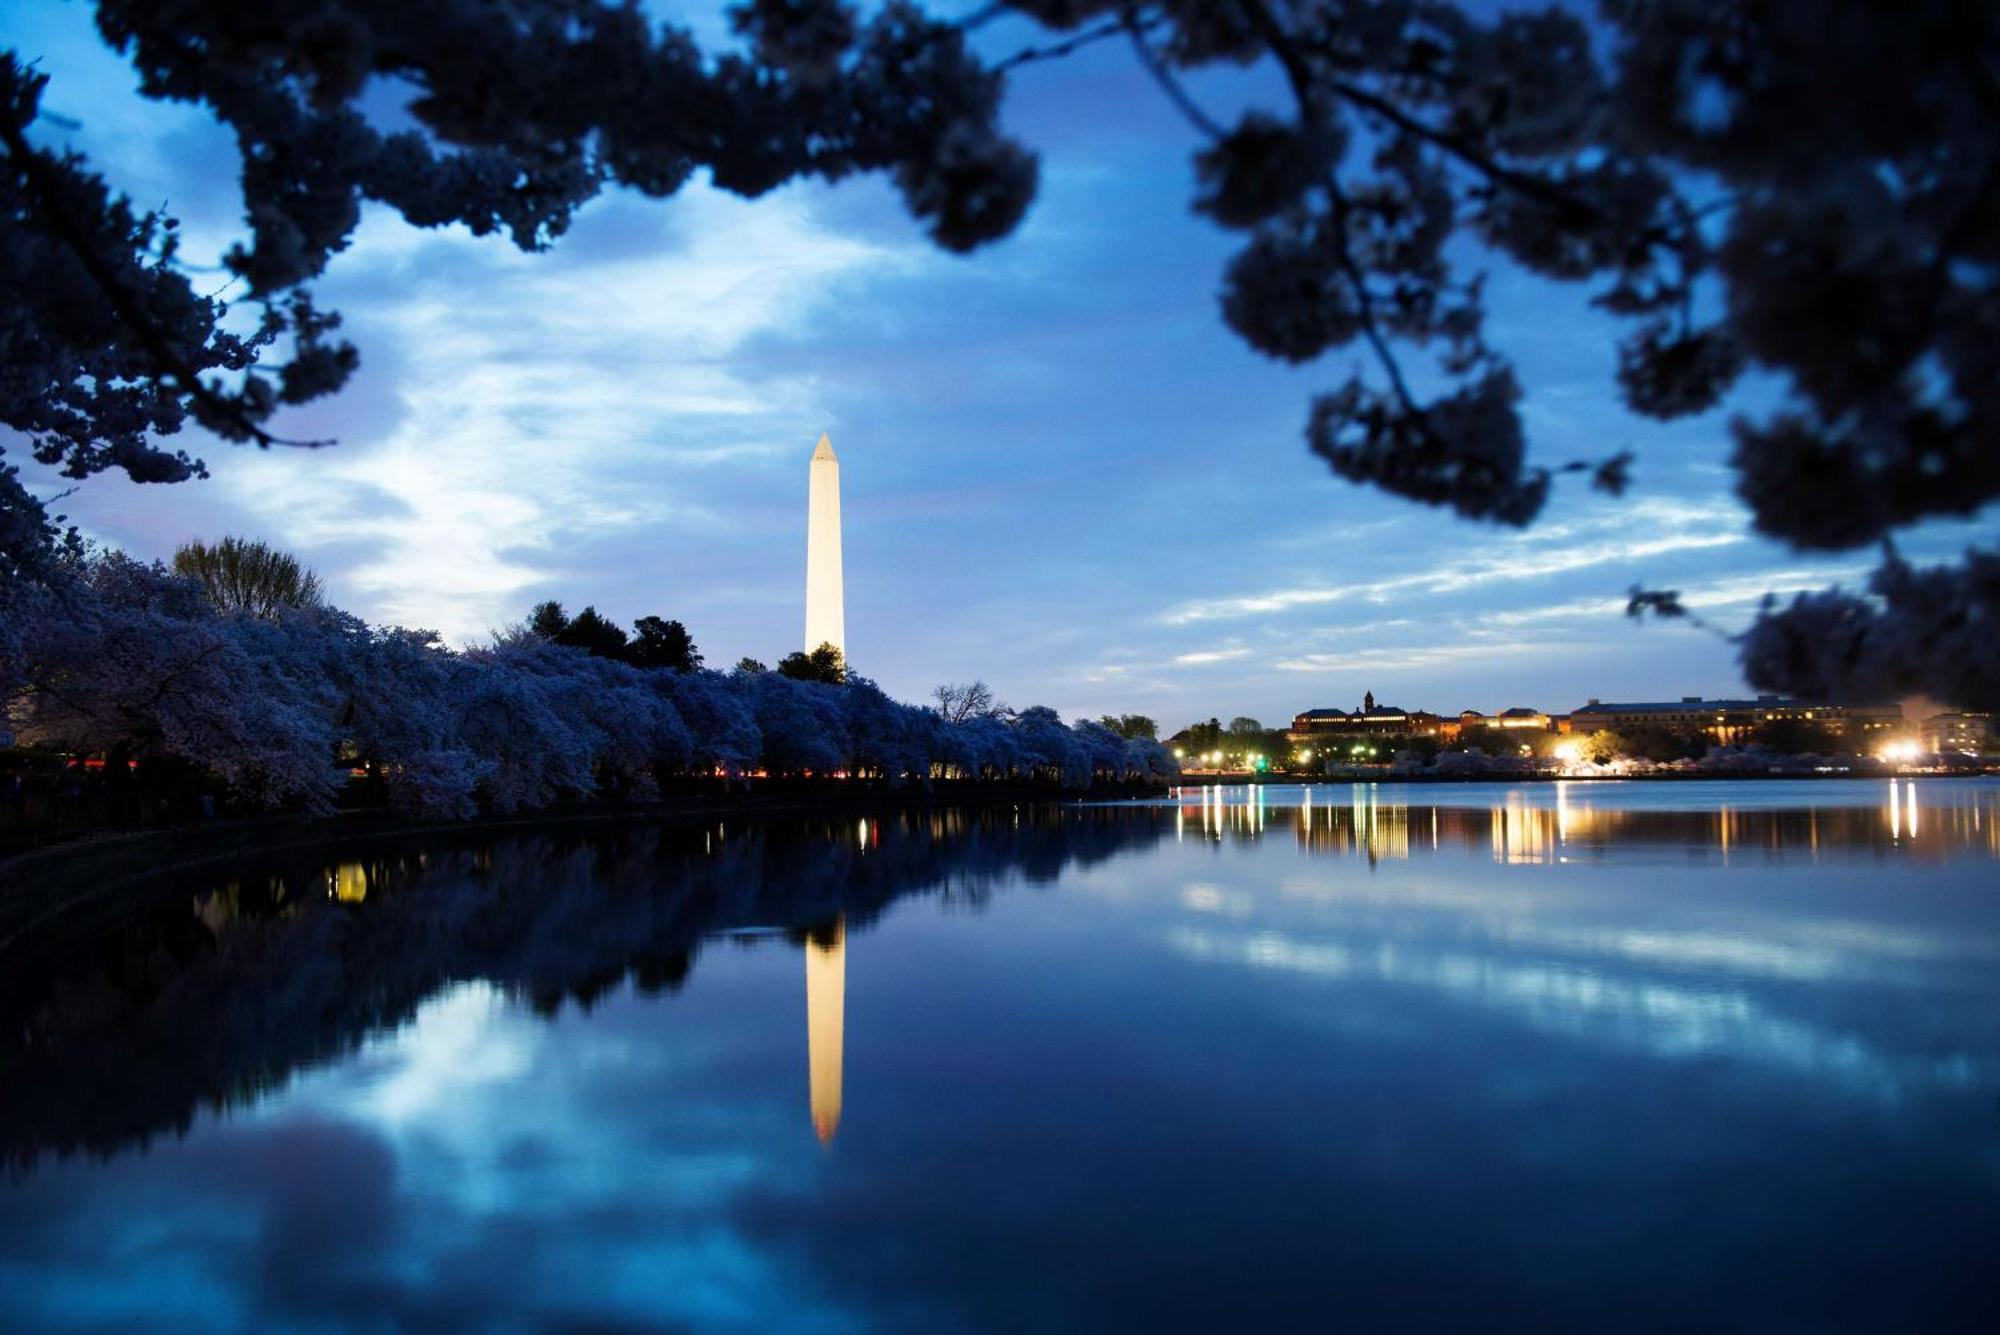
x: 1061, y: 472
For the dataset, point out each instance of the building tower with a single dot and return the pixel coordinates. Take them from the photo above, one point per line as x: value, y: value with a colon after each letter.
x: 826, y: 1007
x: 826, y: 615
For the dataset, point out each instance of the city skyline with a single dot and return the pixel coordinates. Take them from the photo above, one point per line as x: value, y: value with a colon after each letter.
x: 1080, y: 486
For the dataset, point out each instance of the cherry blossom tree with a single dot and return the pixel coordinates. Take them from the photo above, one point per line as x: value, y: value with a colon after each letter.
x: 109, y: 656
x: 720, y: 718
x: 132, y: 661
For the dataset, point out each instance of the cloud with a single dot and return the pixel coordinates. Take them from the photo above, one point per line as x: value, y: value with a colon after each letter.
x: 552, y: 407
x: 1606, y: 1002
x: 1413, y: 656
x: 1551, y: 550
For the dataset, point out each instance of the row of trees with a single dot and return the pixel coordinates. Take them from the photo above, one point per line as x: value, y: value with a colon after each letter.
x: 653, y: 643
x: 1244, y: 742
x: 115, y: 657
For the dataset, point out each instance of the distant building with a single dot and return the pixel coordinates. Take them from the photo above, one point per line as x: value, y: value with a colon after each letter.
x: 1967, y: 732
x: 1317, y: 721
x: 1520, y: 716
x: 1371, y: 719
x: 1731, y: 721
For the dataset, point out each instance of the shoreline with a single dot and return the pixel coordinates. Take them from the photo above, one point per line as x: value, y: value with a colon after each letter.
x: 80, y: 874
x: 1229, y: 780
x: 92, y: 872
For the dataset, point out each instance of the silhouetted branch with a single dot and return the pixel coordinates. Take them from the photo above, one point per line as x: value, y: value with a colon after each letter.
x: 1164, y: 77
x: 35, y: 173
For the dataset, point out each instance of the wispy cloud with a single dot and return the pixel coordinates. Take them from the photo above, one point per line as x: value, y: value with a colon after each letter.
x: 1411, y: 656
x: 555, y: 407
x: 1553, y: 551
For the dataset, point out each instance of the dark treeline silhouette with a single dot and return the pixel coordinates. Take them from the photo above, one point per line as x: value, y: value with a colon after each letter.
x: 826, y: 664
x: 224, y: 990
x: 654, y: 642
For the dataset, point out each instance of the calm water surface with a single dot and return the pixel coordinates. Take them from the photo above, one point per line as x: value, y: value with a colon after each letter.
x: 1616, y: 1056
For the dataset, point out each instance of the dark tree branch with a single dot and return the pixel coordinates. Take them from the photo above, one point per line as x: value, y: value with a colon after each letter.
x: 35, y: 172
x: 1300, y: 78
x: 1056, y: 50
x: 1164, y: 77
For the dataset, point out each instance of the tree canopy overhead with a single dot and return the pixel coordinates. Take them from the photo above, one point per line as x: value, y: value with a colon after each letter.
x: 1804, y: 186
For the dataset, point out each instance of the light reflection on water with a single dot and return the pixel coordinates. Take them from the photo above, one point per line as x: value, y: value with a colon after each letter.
x: 1567, y: 1056
x: 1556, y: 821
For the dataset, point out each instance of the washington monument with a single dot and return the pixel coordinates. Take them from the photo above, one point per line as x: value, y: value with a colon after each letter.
x: 826, y: 615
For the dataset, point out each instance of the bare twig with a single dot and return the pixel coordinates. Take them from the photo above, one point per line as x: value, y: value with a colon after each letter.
x: 1164, y: 77
x: 982, y: 16
x: 1068, y: 46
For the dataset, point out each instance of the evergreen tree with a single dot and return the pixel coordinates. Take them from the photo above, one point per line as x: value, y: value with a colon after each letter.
x: 548, y: 620
x: 594, y: 634
x: 662, y: 644
x: 825, y: 663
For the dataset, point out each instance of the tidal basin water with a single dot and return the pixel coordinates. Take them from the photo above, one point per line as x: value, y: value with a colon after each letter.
x: 1565, y: 1057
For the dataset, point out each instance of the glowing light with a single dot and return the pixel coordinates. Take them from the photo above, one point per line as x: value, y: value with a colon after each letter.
x: 1568, y: 752
x: 348, y: 883
x: 826, y: 1005
x: 826, y: 605
x: 1902, y: 752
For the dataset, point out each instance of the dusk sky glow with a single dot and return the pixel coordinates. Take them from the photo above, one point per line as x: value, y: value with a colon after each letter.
x: 1060, y: 471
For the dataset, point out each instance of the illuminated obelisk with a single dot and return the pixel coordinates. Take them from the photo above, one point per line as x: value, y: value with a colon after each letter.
x: 826, y: 1006
x: 826, y: 615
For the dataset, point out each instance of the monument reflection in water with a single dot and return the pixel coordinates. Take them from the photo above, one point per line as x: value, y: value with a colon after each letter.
x: 1565, y: 1056
x: 826, y: 1014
